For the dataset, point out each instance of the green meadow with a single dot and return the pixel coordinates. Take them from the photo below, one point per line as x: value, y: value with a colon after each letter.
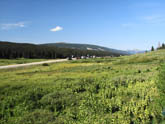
x: 18, y: 61
x: 119, y: 90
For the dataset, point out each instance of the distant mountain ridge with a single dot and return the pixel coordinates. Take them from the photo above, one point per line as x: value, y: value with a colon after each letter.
x: 86, y: 47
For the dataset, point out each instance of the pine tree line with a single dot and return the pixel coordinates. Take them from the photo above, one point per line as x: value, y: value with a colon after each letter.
x: 162, y: 46
x: 10, y: 50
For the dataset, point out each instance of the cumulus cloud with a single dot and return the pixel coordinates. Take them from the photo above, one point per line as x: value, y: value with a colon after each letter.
x: 57, y: 28
x: 12, y: 25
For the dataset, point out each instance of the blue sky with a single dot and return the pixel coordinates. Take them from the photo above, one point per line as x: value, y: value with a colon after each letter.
x: 119, y: 24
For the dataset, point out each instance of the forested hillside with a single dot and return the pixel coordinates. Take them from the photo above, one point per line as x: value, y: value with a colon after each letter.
x: 87, y: 47
x: 24, y: 50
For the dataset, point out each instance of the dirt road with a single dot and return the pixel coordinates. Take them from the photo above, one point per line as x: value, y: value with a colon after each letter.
x: 34, y: 63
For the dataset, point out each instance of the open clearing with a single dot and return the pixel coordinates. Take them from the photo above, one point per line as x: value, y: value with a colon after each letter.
x: 4, y: 62
x: 33, y: 63
x: 94, y: 91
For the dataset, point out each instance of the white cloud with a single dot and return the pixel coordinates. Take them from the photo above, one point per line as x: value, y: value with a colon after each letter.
x: 155, y: 19
x: 12, y: 25
x: 57, y: 28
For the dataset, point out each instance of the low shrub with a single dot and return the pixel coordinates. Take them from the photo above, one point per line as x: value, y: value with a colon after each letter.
x: 45, y: 64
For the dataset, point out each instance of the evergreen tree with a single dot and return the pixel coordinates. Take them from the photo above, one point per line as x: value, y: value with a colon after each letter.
x: 152, y: 48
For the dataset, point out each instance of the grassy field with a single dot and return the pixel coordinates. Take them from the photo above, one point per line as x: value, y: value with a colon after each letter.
x: 18, y: 61
x: 123, y: 90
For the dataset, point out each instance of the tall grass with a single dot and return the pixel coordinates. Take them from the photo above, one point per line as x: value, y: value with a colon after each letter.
x: 106, y: 90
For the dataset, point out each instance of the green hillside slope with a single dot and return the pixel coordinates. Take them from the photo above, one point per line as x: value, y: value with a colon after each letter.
x: 121, y: 90
x: 87, y: 47
x: 10, y: 50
